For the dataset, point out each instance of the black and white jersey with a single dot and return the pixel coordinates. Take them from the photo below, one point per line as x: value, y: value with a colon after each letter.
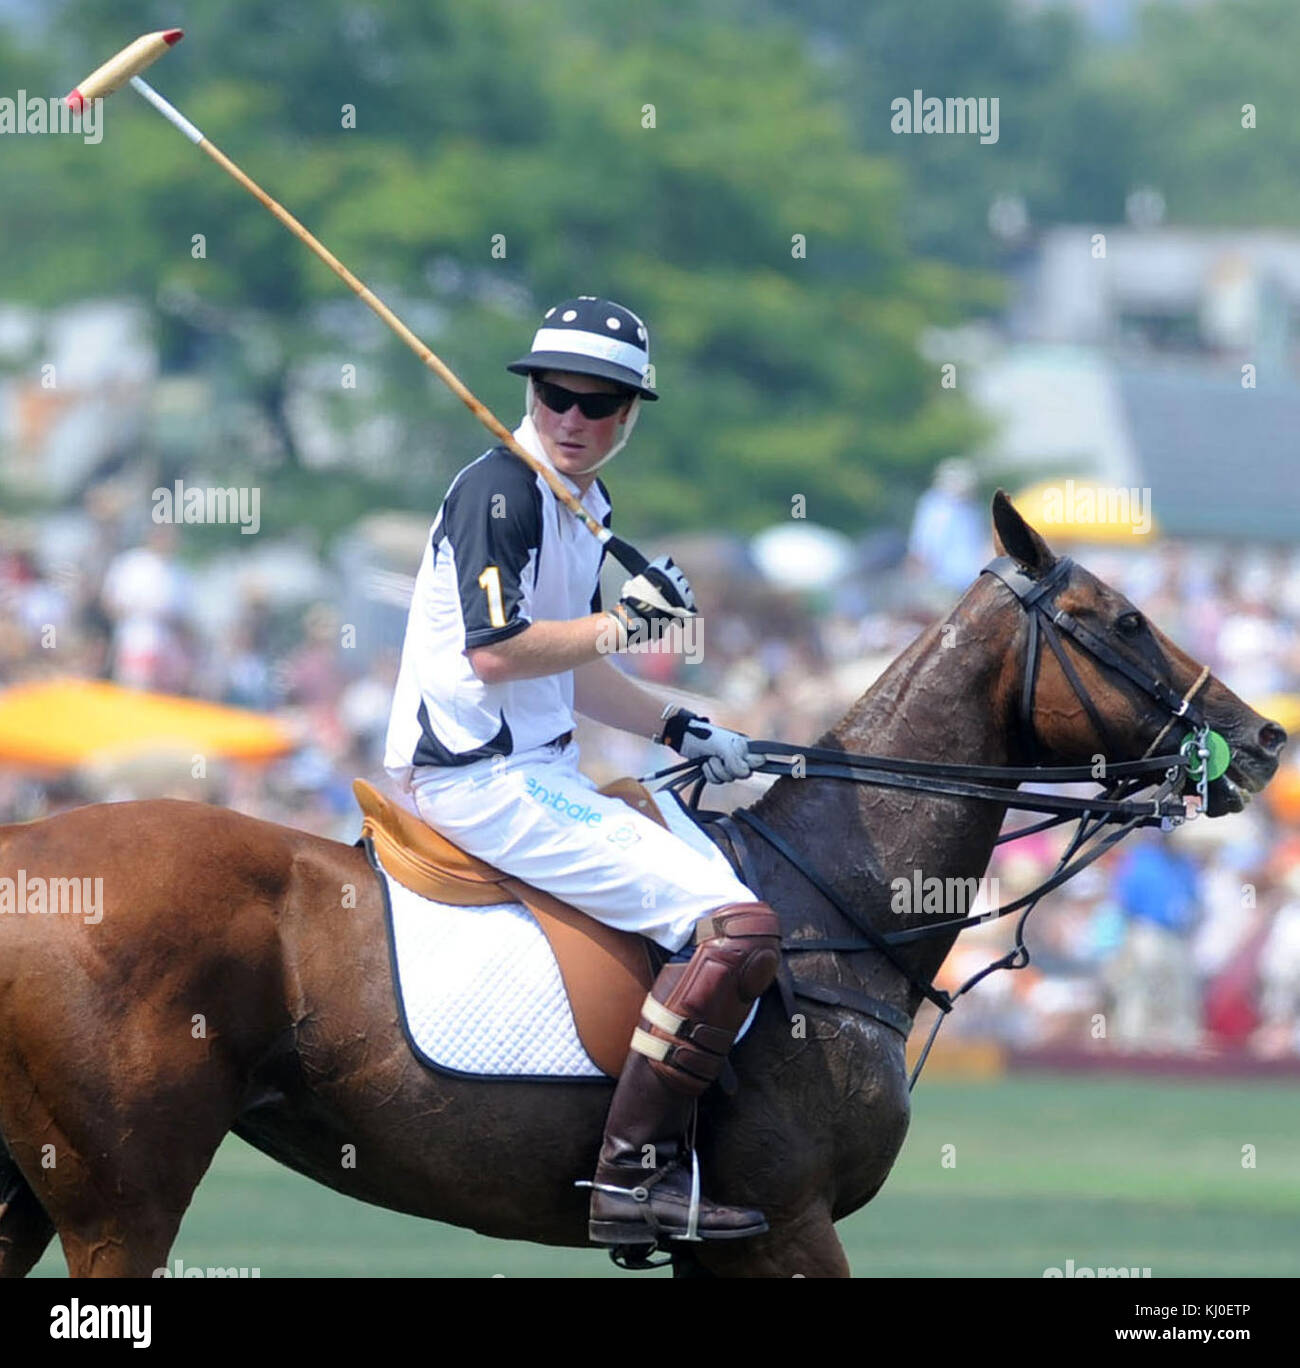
x: 503, y: 552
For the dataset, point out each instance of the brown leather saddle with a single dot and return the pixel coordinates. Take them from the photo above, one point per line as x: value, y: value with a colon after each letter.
x: 606, y: 972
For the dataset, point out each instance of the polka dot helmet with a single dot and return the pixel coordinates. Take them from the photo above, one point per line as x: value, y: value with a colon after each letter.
x: 590, y: 336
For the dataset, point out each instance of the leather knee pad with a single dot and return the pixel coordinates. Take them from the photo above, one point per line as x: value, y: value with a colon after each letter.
x: 690, y: 1023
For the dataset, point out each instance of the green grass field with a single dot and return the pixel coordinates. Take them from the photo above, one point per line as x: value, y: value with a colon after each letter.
x: 1107, y: 1173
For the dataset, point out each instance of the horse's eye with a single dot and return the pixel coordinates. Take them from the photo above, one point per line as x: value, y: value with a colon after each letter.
x: 1130, y: 624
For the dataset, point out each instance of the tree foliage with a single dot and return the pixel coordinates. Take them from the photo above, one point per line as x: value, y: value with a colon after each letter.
x: 727, y: 171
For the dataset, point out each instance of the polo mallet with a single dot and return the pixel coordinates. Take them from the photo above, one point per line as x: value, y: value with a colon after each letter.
x: 127, y: 65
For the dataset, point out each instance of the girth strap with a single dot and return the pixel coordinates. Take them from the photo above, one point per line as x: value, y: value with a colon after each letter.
x: 893, y: 1017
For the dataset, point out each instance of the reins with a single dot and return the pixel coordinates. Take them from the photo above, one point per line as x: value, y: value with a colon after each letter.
x: 1114, y: 805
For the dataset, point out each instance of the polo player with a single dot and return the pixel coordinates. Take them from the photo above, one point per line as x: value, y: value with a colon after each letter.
x: 505, y: 642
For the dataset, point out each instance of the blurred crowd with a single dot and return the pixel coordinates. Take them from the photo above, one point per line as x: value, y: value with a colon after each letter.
x: 1180, y: 942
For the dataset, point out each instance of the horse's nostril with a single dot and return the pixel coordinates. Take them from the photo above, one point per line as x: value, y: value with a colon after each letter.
x: 1272, y: 737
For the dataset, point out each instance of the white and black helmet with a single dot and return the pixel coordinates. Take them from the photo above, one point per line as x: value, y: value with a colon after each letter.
x: 591, y: 336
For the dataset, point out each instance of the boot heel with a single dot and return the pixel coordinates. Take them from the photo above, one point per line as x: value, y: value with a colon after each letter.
x: 620, y: 1233
x: 638, y: 1233
x: 761, y: 1227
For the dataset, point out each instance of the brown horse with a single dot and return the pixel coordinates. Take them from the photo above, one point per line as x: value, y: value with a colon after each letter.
x: 239, y: 980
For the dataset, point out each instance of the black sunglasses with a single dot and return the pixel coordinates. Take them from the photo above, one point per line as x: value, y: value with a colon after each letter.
x: 561, y: 400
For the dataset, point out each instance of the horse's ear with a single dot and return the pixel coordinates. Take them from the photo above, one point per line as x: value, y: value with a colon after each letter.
x: 1013, y: 536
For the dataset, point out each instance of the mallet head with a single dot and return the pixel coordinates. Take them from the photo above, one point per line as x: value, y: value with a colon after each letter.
x: 118, y: 70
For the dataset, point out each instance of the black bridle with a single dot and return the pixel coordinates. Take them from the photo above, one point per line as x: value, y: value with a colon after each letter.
x: 1115, y: 805
x: 1036, y: 597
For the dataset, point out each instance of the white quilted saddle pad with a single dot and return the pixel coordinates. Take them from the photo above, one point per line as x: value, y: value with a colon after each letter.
x: 479, y: 989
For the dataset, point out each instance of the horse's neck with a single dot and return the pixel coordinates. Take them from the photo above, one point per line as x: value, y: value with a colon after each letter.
x: 945, y: 699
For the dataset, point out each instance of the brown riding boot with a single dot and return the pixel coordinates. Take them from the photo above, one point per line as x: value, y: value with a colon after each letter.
x: 642, y: 1193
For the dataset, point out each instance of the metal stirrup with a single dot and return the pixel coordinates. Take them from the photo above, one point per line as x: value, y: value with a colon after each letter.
x: 693, y: 1215
x: 640, y: 1193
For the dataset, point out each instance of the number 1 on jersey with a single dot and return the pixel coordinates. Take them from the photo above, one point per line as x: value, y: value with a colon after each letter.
x: 490, y: 582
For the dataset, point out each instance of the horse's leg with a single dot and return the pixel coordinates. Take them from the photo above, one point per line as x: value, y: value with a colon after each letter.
x: 124, y: 1184
x: 112, y: 1136
x: 802, y: 1246
x: 128, y: 1043
x: 117, y: 1194
x: 121, y: 1217
x: 25, y: 1227
x: 686, y: 1265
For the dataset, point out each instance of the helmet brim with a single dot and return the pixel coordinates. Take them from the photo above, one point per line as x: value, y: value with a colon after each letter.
x: 581, y: 365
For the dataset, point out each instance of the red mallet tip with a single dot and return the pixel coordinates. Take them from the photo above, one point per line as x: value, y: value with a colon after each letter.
x: 173, y: 36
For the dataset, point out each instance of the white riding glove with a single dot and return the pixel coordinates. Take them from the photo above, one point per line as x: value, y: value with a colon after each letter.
x: 659, y: 593
x: 725, y: 753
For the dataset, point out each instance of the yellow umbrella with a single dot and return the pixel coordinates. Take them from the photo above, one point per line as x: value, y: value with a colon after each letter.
x: 62, y: 723
x: 1070, y: 510
x: 1284, y: 709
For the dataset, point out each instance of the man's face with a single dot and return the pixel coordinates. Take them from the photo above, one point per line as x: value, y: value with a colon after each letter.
x: 575, y: 443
